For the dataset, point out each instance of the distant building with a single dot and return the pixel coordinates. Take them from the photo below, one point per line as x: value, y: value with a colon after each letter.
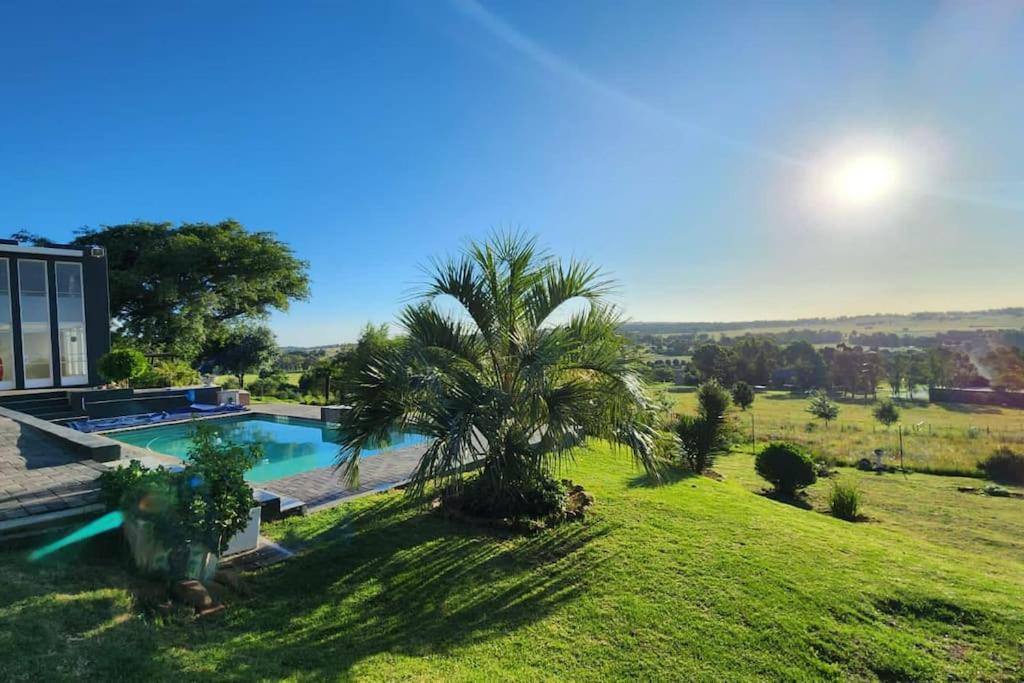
x: 977, y: 395
x: 54, y: 315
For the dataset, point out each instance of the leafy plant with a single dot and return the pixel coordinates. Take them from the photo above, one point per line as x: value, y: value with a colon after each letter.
x: 122, y: 365
x: 207, y: 502
x: 787, y: 467
x: 167, y: 373
x: 499, y: 382
x: 217, y: 499
x: 743, y: 395
x: 887, y: 413
x: 844, y: 501
x: 116, y: 482
x: 705, y: 435
x: 822, y: 407
x: 1004, y: 466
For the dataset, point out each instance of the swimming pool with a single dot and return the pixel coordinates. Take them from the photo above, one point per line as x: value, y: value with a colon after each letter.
x: 290, y: 445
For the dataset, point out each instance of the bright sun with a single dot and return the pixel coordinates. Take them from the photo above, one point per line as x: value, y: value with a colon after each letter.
x: 864, y: 179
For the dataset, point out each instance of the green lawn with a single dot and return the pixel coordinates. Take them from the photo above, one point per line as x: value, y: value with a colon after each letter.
x: 696, y: 579
x: 939, y: 438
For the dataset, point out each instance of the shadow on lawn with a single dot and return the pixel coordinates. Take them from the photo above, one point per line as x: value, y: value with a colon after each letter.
x: 668, y: 475
x: 396, y: 581
x: 971, y: 408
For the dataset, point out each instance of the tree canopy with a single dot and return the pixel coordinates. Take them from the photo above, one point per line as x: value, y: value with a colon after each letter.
x: 501, y: 381
x: 174, y: 288
x: 244, y: 347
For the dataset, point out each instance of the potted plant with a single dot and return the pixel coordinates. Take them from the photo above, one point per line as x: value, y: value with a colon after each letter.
x: 180, y: 522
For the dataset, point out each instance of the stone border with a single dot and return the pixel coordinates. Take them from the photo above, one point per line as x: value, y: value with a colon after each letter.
x: 90, y: 446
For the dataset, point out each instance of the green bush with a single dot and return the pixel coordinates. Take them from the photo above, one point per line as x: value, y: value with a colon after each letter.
x: 205, y: 503
x: 122, y: 365
x: 1005, y: 466
x: 787, y: 467
x: 887, y: 413
x: 844, y: 501
x: 167, y: 373
x: 264, y: 386
x: 534, y: 497
x: 743, y: 395
x: 228, y: 382
x: 705, y: 435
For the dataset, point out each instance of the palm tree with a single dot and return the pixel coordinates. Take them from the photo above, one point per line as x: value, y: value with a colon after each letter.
x: 497, y: 379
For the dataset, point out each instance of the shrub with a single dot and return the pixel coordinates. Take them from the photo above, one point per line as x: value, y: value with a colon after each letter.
x: 538, y: 497
x: 743, y: 395
x: 705, y: 435
x: 887, y: 413
x: 844, y: 501
x: 122, y: 365
x: 1005, y: 466
x: 786, y: 466
x: 205, y: 503
x: 167, y: 373
x: 264, y: 386
x: 228, y: 382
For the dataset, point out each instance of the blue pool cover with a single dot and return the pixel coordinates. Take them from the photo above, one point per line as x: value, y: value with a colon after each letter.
x: 104, y: 423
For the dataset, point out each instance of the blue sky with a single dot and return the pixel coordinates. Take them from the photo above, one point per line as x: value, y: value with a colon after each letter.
x: 682, y: 146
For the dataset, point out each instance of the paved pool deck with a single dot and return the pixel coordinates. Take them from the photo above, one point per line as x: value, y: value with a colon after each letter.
x: 40, y: 475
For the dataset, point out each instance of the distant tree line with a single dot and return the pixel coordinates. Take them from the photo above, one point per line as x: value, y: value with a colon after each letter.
x: 844, y: 369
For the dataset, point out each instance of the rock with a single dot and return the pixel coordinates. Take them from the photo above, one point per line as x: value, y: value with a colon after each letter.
x: 193, y: 594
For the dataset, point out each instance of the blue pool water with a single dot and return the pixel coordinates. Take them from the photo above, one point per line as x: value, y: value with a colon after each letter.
x: 290, y: 445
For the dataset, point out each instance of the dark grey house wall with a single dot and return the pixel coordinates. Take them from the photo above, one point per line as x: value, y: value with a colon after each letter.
x: 96, y: 299
x: 97, y: 312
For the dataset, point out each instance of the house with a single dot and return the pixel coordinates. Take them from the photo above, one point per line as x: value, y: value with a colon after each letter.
x: 54, y: 315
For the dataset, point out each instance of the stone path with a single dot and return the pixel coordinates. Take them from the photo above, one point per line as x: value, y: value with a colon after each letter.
x: 40, y: 475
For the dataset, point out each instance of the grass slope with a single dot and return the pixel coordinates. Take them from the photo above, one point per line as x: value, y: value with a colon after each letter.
x: 693, y: 580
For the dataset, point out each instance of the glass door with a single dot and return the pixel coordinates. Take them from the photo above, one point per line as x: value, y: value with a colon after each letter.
x: 34, y: 295
x: 74, y: 363
x: 6, y: 328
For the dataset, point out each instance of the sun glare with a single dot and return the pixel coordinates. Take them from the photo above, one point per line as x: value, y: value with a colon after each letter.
x: 864, y: 179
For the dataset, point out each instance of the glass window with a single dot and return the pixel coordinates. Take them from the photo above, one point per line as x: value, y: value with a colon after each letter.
x: 35, y: 323
x: 6, y: 329
x: 70, y: 306
x: 71, y: 323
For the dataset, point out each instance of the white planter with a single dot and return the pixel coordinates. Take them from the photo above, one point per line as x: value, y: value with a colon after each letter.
x: 151, y: 557
x: 248, y: 538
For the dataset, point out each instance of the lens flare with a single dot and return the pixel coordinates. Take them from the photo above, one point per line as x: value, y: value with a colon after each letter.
x: 108, y: 522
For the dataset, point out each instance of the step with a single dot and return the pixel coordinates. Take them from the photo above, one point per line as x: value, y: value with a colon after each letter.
x: 60, y: 415
x: 30, y: 406
x: 24, y: 530
x: 292, y: 506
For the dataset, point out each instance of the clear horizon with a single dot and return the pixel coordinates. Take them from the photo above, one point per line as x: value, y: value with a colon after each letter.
x: 723, y: 163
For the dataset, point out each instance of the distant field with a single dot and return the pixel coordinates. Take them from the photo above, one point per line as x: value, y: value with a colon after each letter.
x: 918, y: 324
x: 938, y: 438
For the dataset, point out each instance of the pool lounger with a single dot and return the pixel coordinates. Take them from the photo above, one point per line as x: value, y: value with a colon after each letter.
x: 105, y: 423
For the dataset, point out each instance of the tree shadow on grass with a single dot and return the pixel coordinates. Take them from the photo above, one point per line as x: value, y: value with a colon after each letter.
x: 971, y: 408
x: 799, y: 501
x: 667, y: 475
x: 403, y: 582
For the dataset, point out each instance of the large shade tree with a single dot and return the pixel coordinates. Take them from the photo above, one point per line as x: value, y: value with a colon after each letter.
x: 176, y: 288
x: 493, y: 369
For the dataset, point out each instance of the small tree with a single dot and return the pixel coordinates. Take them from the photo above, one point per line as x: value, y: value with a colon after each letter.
x: 245, y: 348
x: 123, y: 365
x: 822, y: 407
x: 787, y: 467
x: 887, y: 413
x: 705, y: 435
x: 743, y: 395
